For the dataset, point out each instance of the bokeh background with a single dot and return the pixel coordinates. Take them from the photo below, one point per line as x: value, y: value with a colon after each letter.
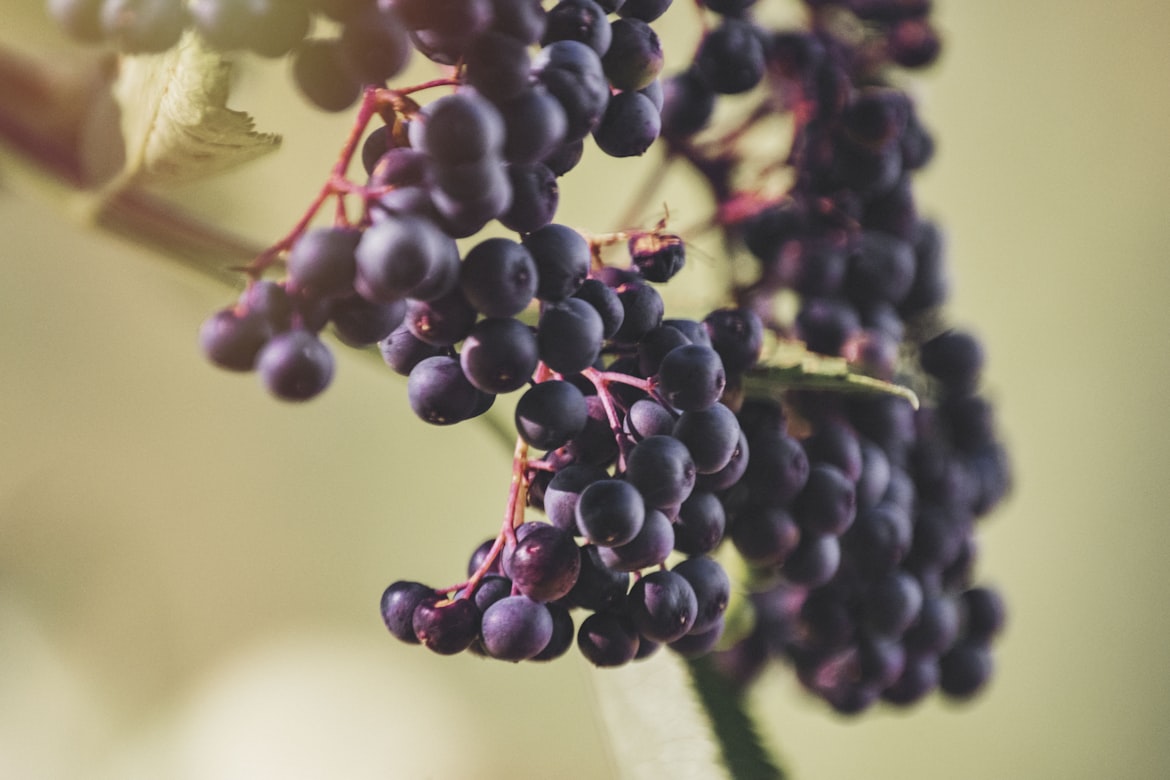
x: 189, y: 571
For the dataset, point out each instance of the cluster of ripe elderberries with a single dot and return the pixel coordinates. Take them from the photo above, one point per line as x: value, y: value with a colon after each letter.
x: 859, y: 512
x: 646, y: 441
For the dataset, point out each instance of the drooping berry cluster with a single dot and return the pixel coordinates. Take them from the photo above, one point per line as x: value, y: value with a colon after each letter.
x: 859, y: 513
x: 492, y: 150
x: 626, y: 407
x: 615, y: 395
x: 656, y: 441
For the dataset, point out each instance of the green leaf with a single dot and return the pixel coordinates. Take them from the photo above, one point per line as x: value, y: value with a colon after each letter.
x: 175, y: 121
x: 789, y: 365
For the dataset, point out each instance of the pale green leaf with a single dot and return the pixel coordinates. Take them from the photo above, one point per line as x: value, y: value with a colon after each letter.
x: 789, y: 365
x: 656, y: 725
x: 175, y: 121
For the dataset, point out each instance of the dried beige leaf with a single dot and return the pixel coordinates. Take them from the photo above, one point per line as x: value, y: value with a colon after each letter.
x: 175, y: 121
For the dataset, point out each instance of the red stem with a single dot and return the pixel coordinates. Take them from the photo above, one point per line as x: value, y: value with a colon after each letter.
x: 514, y: 511
x: 373, y: 100
x: 448, y: 82
x: 602, y: 380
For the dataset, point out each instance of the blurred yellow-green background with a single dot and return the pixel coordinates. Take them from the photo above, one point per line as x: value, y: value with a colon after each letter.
x: 189, y: 571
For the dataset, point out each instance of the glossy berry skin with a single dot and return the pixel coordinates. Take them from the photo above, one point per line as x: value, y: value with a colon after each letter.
x: 697, y: 644
x: 893, y: 604
x: 516, y: 628
x: 359, y: 322
x: 444, y: 321
x: 919, y: 678
x: 491, y: 589
x: 663, y: 606
x: 598, y: 587
x: 295, y: 366
x: 563, y: 492
x: 232, y: 340
x: 610, y: 512
x: 647, y: 418
x: 634, y: 57
x: 399, y: 601
x: 700, y: 525
x: 461, y: 128
x: 642, y: 310
x: 814, y: 561
x: 523, y: 20
x: 661, y: 468
x: 650, y: 547
x: 606, y: 639
x: 730, y: 474
x: 402, y: 350
x: 550, y: 414
x: 630, y: 125
x: 655, y: 346
x: 569, y: 336
x: 321, y: 263
x: 499, y: 355
x: 691, y: 377
x: 579, y: 20
x: 544, y: 564
x: 498, y: 277
x: 563, y: 632
x: 446, y: 628
x: 602, y: 298
x: 439, y: 392
x: 535, y: 125
x: 535, y: 197
x: 712, y: 589
x: 711, y: 435
x: 738, y: 336
x: 645, y: 10
x: 936, y: 628
x: 399, y: 255
x: 562, y: 260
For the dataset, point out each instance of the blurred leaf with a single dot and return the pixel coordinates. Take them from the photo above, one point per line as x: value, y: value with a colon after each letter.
x: 655, y: 723
x: 743, y: 752
x: 175, y: 120
x: 789, y: 365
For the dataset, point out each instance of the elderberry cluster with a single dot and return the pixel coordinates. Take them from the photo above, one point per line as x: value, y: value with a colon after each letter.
x: 492, y: 150
x: 625, y: 406
x: 603, y: 82
x: 645, y: 440
x: 859, y: 514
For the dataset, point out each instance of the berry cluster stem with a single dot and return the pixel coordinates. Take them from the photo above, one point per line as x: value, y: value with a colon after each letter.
x: 375, y: 101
